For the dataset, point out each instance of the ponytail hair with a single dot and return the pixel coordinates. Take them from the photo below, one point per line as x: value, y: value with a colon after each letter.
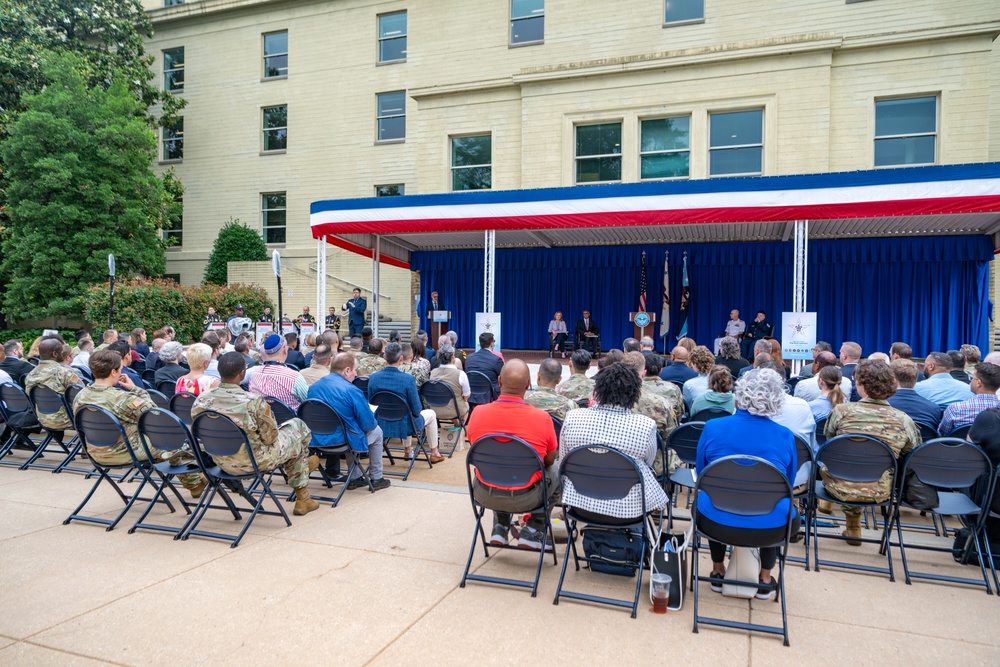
x: 831, y: 377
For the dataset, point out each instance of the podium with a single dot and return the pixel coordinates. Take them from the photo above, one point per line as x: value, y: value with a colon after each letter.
x: 642, y: 324
x: 438, y: 325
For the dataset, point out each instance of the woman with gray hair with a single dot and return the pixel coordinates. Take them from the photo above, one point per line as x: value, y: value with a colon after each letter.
x: 172, y: 354
x: 759, y: 395
x: 729, y: 356
x: 457, y: 380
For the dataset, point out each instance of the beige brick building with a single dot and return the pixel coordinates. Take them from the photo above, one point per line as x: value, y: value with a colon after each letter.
x: 815, y: 81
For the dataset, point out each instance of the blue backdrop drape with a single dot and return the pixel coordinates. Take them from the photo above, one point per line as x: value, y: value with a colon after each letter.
x: 931, y: 292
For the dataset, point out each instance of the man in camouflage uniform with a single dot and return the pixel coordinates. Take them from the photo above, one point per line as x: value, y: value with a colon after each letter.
x: 545, y: 396
x: 355, y: 350
x: 419, y: 373
x: 577, y: 386
x: 50, y: 373
x: 668, y: 390
x: 116, y: 393
x: 656, y: 408
x: 873, y: 416
x: 373, y: 361
x: 287, y: 446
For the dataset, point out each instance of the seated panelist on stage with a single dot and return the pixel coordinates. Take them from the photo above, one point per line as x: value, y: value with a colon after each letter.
x: 557, y: 332
x: 588, y: 332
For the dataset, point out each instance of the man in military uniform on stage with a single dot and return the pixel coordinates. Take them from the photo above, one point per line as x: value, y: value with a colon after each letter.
x: 544, y: 396
x: 211, y: 318
x: 333, y: 320
x: 760, y: 328
x: 50, y: 373
x: 287, y: 446
x: 115, y: 392
x: 577, y: 386
x: 735, y: 326
x: 266, y: 316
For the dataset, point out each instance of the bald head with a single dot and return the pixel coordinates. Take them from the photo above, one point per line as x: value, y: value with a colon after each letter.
x: 824, y: 359
x: 50, y: 349
x: 514, y: 378
x: 679, y: 355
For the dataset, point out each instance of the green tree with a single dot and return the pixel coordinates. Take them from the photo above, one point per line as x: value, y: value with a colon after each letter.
x: 80, y: 186
x: 235, y: 243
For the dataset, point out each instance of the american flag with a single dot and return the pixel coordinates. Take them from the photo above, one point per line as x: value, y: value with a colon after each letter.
x: 642, y: 286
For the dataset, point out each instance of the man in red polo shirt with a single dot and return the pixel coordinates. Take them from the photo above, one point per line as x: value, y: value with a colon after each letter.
x: 510, y: 415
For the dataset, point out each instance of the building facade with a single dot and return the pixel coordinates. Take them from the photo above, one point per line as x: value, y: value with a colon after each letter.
x: 294, y: 101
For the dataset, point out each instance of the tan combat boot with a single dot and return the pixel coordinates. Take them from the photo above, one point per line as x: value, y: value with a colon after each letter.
x: 824, y: 506
x: 313, y: 463
x: 197, y: 490
x: 853, y: 530
x: 304, y: 502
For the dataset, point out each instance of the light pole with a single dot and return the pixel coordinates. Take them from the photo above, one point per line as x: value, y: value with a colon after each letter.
x: 111, y: 275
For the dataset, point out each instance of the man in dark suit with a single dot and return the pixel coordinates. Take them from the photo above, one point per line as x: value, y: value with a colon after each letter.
x: 587, y: 332
x: 907, y: 400
x: 436, y: 302
x: 403, y: 384
x: 850, y: 355
x: 485, y: 361
x: 355, y: 309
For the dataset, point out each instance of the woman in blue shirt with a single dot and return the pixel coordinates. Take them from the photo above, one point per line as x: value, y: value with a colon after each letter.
x: 759, y: 396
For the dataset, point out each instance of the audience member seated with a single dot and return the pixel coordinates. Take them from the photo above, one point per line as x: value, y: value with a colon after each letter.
x: 320, y: 366
x: 872, y: 416
x: 52, y: 374
x: 630, y: 345
x: 416, y: 371
x: 958, y: 362
x: 761, y: 354
x: 678, y: 370
x: 940, y: 387
x: 137, y: 340
x: 109, y: 336
x: 286, y: 446
x: 729, y: 356
x: 660, y: 387
x: 273, y: 378
x: 196, y: 382
x: 702, y: 361
x: 972, y: 357
x: 646, y: 346
x: 984, y: 385
x: 295, y: 357
x: 484, y: 361
x: 122, y: 348
x: 366, y: 338
x: 776, y: 356
x: 832, y: 391
x: 171, y: 354
x: 752, y: 431
x: 355, y: 350
x: 10, y: 362
x: 374, y: 362
x: 809, y: 389
x: 820, y: 347
x: 214, y: 343
x: 420, y: 360
x: 654, y: 406
x: 242, y: 344
x: 907, y: 400
x: 460, y: 355
x: 457, y: 380
x: 900, y: 350
x: 985, y: 432
x: 577, y: 386
x: 610, y: 357
x: 392, y: 379
x: 510, y: 415
x: 82, y: 358
x: 795, y: 413
x: 720, y: 390
x: 544, y: 396
x: 153, y: 361
x: 611, y: 423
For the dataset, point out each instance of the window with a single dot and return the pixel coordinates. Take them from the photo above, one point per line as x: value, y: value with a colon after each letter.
x: 272, y: 215
x: 736, y: 143
x: 664, y: 148
x: 527, y: 21
x: 276, y: 54
x: 173, y: 141
x: 173, y: 69
x: 392, y: 37
x: 471, y: 159
x: 905, y: 131
x: 173, y: 233
x: 395, y: 190
x: 391, y: 116
x: 683, y: 11
x: 276, y: 128
x: 599, y: 153
x: 172, y: 3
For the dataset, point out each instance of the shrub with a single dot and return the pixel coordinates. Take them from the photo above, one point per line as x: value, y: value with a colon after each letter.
x: 235, y: 243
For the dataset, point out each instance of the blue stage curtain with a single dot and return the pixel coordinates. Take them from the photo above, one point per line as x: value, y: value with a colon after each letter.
x: 931, y: 292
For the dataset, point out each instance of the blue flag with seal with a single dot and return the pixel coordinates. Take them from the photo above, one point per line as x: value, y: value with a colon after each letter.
x: 685, y: 299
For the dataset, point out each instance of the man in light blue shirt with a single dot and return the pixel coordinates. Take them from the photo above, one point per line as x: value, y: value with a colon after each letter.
x: 940, y: 387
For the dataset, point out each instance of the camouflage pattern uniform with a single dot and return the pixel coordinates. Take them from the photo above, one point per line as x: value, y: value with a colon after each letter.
x: 546, y: 398
x: 287, y: 446
x: 881, y: 421
x: 359, y: 356
x: 127, y: 406
x: 661, y: 411
x: 576, y: 388
x: 370, y: 364
x: 417, y: 371
x: 57, y: 378
x: 667, y: 390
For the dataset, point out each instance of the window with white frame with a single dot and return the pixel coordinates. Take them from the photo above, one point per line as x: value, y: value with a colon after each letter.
x: 173, y: 141
x: 173, y: 69
x: 272, y: 216
x: 391, y: 190
x: 736, y: 143
x: 276, y: 54
x: 471, y: 162
x: 392, y: 37
x: 683, y: 11
x: 527, y: 21
x: 906, y: 131
x: 599, y: 153
x: 391, y: 116
x: 275, y: 128
x: 665, y: 148
x: 173, y: 233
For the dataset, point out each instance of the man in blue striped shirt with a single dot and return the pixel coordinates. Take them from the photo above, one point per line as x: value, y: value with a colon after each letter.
x: 985, y: 382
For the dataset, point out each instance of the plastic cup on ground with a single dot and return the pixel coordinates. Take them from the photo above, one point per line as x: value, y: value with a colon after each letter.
x: 661, y: 592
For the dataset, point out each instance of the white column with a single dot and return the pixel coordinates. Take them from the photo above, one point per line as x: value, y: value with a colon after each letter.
x: 320, y: 283
x: 489, y: 270
x: 801, y: 274
x: 376, y: 263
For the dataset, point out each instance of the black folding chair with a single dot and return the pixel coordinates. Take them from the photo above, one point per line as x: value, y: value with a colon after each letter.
x: 69, y: 396
x: 605, y: 475
x: 804, y: 456
x: 928, y: 432
x: 149, y: 375
x: 47, y: 402
x: 392, y: 408
x: 509, y: 462
x: 954, y: 467
x: 705, y: 414
x: 569, y: 345
x: 323, y: 420
x: 99, y: 428
x: 158, y: 398
x: 960, y: 433
x: 584, y: 402
x: 557, y: 425
x: 279, y: 409
x: 747, y: 486
x: 480, y: 385
x: 854, y: 458
x: 181, y: 404
x: 15, y: 407
x: 820, y: 431
x: 792, y: 383
x: 215, y: 435
x: 166, y: 387
x: 684, y: 441
x: 84, y: 374
x: 361, y: 383
x: 437, y: 394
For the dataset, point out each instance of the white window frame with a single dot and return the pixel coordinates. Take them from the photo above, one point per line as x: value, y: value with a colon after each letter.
x: 515, y: 19
x: 167, y: 71
x: 263, y: 216
x: 936, y: 133
x: 620, y: 154
x: 379, y: 118
x: 453, y: 168
x: 763, y: 132
x: 381, y: 38
x: 670, y: 24
x: 671, y: 151
x: 176, y: 137
x: 265, y: 55
x: 401, y: 186
x: 264, y: 129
